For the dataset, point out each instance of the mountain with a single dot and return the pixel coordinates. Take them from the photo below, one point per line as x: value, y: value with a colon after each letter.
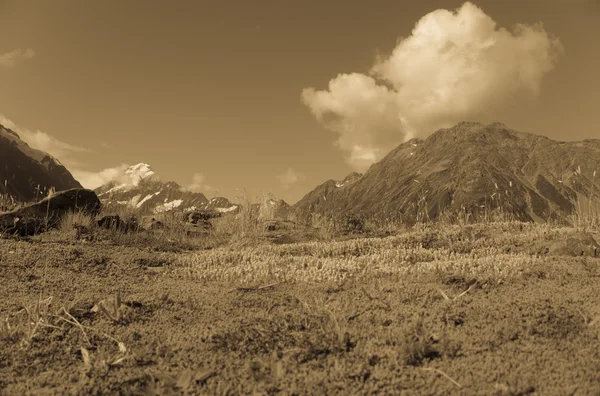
x: 469, y: 168
x: 317, y: 198
x: 27, y: 174
x: 142, y: 189
x: 271, y: 209
x: 279, y: 209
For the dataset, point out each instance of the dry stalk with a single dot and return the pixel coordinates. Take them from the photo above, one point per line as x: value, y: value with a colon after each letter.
x: 442, y: 373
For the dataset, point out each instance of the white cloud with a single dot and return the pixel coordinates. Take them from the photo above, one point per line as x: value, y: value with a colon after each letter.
x: 454, y: 65
x: 14, y: 57
x: 93, y: 180
x: 47, y: 143
x: 198, y: 184
x: 290, y: 177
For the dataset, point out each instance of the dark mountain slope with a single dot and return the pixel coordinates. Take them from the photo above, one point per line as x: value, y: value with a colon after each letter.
x: 27, y: 174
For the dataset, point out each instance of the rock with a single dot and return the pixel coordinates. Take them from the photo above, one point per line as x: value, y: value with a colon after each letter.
x: 577, y: 244
x: 277, y: 225
x: 156, y: 225
x: 204, y: 215
x: 151, y: 223
x: 47, y: 213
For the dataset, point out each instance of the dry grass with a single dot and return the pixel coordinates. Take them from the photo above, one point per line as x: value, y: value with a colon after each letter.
x: 432, y: 308
x: 248, y: 225
x: 587, y: 209
x: 76, y: 221
x: 485, y: 252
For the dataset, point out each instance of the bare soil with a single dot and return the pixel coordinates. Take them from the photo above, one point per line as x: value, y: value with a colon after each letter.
x: 429, y: 333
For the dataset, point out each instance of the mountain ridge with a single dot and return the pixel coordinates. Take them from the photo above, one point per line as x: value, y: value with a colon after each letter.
x: 463, y: 168
x: 42, y: 170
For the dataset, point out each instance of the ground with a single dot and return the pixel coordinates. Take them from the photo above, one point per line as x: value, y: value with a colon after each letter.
x: 465, y: 310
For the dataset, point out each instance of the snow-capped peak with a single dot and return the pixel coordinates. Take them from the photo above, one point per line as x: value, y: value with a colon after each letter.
x: 139, y: 172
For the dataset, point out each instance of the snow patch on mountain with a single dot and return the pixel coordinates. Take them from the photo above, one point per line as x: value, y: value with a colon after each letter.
x: 168, y: 206
x: 147, y: 197
x: 225, y: 210
x: 115, y: 188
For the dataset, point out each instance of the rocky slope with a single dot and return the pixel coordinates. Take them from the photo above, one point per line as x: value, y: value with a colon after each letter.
x: 317, y: 198
x: 143, y: 191
x: 27, y: 174
x: 469, y: 168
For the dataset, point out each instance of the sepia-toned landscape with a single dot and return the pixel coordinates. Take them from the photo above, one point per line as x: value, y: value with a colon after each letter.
x: 432, y: 248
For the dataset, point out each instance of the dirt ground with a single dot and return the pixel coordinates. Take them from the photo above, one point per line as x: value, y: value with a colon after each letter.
x: 164, y: 330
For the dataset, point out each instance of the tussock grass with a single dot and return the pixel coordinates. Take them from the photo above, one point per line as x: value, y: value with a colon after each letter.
x: 76, y: 221
x: 485, y: 252
x: 112, y: 309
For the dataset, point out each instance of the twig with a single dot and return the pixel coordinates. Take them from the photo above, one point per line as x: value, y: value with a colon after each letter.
x: 442, y: 373
x: 256, y: 287
x: 443, y: 294
x: 76, y: 324
x: 89, y: 328
x: 466, y: 291
x: 585, y: 318
x: 458, y: 296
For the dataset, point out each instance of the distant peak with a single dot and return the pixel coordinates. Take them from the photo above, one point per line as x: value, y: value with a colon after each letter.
x: 138, y: 172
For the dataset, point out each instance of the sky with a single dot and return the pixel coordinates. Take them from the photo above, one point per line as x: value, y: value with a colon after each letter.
x: 278, y: 96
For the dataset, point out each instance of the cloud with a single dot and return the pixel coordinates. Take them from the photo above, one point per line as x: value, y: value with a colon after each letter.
x: 93, y: 180
x: 453, y: 66
x: 45, y: 142
x: 14, y: 57
x: 290, y: 177
x: 198, y: 184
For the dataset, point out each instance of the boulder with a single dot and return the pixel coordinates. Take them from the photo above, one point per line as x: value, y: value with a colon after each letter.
x: 151, y: 223
x: 47, y: 213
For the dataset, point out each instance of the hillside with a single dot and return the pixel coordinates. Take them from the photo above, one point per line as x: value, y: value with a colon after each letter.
x: 469, y: 168
x: 27, y: 174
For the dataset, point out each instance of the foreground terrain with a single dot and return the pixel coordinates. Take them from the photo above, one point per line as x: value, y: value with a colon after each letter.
x: 505, y: 309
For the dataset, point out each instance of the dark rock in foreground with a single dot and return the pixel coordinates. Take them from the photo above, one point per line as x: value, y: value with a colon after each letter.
x: 47, y: 213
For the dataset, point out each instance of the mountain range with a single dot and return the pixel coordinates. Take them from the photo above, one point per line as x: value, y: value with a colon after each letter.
x: 143, y: 191
x: 470, y: 168
x: 27, y: 174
